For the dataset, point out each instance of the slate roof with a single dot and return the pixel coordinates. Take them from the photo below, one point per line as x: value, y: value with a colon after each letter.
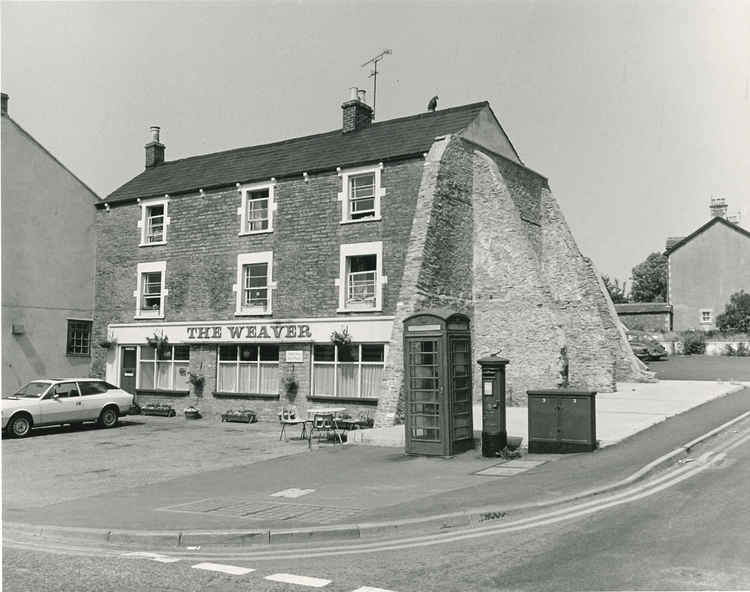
x: 386, y: 140
x: 642, y: 307
x: 706, y: 226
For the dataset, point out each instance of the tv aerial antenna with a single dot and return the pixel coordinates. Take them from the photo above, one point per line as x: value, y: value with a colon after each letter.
x: 374, y: 74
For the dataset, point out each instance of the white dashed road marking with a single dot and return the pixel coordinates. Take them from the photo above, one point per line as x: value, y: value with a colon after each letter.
x: 228, y: 569
x: 152, y: 556
x: 301, y: 580
x: 293, y: 492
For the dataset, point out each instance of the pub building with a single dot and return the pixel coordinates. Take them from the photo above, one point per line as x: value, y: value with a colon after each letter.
x: 282, y: 273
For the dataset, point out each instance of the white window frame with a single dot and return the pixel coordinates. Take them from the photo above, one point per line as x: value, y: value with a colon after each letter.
x: 703, y: 311
x: 345, y: 198
x: 237, y: 363
x: 146, y: 205
x: 152, y: 267
x: 248, y: 259
x: 242, y: 210
x: 171, y: 361
x: 335, y: 363
x: 353, y: 250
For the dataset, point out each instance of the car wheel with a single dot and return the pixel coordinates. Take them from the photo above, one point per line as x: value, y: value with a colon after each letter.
x: 20, y: 426
x: 108, y: 417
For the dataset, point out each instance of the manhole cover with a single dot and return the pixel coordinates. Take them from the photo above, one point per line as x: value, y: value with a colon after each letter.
x: 265, y: 510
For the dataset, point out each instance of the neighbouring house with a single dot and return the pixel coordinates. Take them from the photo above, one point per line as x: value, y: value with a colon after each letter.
x: 705, y: 268
x: 48, y: 262
x: 645, y: 316
x: 245, y: 262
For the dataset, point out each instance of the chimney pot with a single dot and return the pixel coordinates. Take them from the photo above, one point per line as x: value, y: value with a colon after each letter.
x: 154, y: 149
x: 4, y: 103
x: 718, y: 207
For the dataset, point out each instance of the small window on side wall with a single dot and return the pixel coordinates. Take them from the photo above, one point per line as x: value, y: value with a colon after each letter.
x: 79, y: 338
x: 361, y: 193
x: 706, y: 316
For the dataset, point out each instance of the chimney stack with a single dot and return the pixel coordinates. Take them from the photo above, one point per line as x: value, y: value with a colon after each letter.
x: 4, y: 103
x: 718, y: 207
x: 357, y: 114
x: 154, y: 149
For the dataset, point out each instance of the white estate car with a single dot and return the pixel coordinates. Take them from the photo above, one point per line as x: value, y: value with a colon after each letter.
x: 63, y: 400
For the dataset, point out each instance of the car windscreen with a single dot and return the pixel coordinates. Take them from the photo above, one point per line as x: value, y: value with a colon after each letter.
x: 32, y: 390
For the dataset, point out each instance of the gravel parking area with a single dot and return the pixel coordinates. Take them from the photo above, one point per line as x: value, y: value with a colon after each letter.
x: 59, y: 464
x: 702, y: 368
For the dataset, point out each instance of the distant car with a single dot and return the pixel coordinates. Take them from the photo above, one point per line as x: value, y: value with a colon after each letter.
x: 63, y: 401
x: 646, y: 347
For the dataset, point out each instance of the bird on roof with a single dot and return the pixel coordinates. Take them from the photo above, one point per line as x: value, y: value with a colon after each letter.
x: 432, y: 105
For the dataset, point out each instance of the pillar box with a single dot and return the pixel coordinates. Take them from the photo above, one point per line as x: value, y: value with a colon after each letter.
x: 494, y: 432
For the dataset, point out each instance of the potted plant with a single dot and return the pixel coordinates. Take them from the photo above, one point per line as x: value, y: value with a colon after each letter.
x: 159, y: 342
x: 197, y: 380
x: 192, y: 412
x: 290, y: 385
x: 341, y: 338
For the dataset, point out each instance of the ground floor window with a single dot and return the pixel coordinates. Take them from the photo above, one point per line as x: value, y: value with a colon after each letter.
x: 354, y: 370
x: 164, y: 370
x: 248, y: 368
x: 79, y: 338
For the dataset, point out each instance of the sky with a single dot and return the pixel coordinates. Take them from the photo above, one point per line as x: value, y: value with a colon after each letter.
x: 638, y: 112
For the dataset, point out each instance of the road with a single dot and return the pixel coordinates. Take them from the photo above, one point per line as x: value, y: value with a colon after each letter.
x: 688, y: 529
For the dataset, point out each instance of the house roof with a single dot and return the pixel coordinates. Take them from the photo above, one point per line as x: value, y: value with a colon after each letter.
x: 673, y: 240
x: 386, y: 140
x: 713, y: 221
x: 9, y: 119
x: 643, y: 307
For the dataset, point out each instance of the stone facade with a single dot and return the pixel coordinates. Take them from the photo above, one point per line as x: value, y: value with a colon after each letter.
x: 489, y: 240
x: 462, y: 228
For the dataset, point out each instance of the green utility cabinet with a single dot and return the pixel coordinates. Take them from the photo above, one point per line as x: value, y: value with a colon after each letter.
x: 437, y: 380
x: 562, y: 420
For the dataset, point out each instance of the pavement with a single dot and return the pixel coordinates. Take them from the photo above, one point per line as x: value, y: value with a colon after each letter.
x: 358, y: 491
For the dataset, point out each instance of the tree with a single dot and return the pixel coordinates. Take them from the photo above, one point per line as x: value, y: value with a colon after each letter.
x: 650, y: 279
x: 616, y: 291
x: 736, y: 316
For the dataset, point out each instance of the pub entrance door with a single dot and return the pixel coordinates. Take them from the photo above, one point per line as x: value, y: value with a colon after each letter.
x: 438, y: 394
x: 127, y: 369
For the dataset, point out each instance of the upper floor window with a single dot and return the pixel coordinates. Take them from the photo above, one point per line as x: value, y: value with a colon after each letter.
x: 254, y: 283
x: 154, y: 221
x: 151, y: 291
x: 79, y: 338
x: 360, y: 193
x: 707, y: 316
x: 256, y: 211
x: 361, y: 277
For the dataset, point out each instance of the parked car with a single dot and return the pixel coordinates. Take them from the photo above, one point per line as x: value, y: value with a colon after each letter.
x: 645, y: 347
x: 59, y: 401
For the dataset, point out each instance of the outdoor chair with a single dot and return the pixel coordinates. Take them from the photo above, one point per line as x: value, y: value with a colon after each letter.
x: 288, y: 416
x: 324, y: 423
